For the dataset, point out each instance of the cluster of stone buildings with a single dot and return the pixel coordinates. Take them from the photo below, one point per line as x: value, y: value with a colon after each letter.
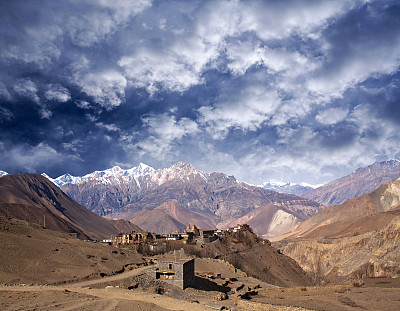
x: 192, y: 234
x: 176, y: 269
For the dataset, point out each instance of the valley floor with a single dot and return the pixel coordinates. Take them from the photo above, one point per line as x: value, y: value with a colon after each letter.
x: 376, y: 294
x: 42, y: 269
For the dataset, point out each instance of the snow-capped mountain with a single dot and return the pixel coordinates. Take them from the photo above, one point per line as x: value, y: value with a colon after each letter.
x: 287, y: 187
x: 206, y: 199
x: 3, y: 173
x: 114, y: 174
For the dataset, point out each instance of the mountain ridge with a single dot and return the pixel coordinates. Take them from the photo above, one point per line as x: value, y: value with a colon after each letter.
x: 361, y: 181
x: 33, y: 197
x: 216, y: 196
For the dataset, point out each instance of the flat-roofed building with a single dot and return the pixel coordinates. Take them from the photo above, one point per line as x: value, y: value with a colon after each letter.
x: 178, y: 272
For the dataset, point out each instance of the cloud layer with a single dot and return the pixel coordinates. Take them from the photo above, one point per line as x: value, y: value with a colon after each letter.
x: 272, y: 90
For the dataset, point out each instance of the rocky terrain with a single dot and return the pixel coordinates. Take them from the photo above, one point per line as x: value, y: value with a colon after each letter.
x: 362, y: 181
x: 360, y: 237
x: 34, y: 198
x: 256, y: 257
x: 207, y: 199
x: 69, y: 274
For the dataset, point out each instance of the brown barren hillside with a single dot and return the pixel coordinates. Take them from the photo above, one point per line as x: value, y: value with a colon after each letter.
x: 254, y: 256
x: 360, y: 237
x: 31, y: 254
x: 33, y: 197
x: 170, y: 217
x: 383, y: 199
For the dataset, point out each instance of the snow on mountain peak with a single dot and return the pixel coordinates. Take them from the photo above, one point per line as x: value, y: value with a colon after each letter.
x: 116, y: 174
x: 48, y: 177
x: 3, y: 173
x: 105, y: 176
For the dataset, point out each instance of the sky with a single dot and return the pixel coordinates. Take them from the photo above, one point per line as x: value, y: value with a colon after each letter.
x: 298, y: 91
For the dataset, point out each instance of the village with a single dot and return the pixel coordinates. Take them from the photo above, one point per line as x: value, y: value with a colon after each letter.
x: 192, y: 235
x: 176, y: 268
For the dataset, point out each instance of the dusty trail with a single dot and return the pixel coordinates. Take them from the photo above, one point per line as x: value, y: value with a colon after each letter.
x: 108, y: 299
x: 105, y: 299
x: 107, y: 279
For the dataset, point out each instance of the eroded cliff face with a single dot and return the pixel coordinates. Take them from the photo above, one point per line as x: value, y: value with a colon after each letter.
x: 372, y: 254
x: 389, y: 197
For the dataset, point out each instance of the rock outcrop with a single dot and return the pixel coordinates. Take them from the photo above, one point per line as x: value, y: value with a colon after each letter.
x: 360, y: 237
x: 372, y: 254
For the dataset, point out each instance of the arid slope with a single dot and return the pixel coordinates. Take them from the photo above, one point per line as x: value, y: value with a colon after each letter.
x: 33, y: 197
x: 360, y: 237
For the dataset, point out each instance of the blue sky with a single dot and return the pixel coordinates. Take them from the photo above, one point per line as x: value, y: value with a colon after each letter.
x: 263, y: 90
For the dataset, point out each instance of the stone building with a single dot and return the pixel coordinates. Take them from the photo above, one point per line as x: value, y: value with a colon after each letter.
x: 178, y: 272
x: 192, y: 229
x: 133, y: 238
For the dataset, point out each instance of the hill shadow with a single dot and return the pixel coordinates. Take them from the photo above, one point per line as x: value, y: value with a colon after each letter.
x: 208, y: 285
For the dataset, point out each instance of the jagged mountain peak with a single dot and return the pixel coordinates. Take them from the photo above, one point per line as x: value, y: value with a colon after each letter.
x: 104, y: 176
x: 379, y: 165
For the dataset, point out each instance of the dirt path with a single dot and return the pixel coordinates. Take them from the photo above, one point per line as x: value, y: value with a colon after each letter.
x: 107, y: 279
x: 108, y: 299
x: 105, y: 299
x: 81, y: 296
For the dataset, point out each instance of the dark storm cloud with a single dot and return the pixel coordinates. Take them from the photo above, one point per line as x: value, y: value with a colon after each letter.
x: 294, y: 90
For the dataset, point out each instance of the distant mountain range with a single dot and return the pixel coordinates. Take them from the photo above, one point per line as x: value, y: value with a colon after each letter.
x: 358, y: 237
x: 34, y: 198
x: 362, y: 181
x: 290, y: 188
x: 142, y: 195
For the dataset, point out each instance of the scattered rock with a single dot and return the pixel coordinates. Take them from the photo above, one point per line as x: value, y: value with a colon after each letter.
x: 159, y: 290
x: 133, y: 286
x: 220, y: 297
x: 358, y: 283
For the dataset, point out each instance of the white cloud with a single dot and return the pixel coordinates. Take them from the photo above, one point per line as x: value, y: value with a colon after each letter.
x: 279, y: 20
x: 331, y: 115
x: 27, y: 88
x: 82, y: 104
x: 108, y: 127
x: 246, y: 110
x: 4, y: 92
x: 39, y: 44
x: 157, y: 71
x: 57, y: 93
x: 164, y: 131
x: 31, y: 157
x: 107, y: 88
x: 5, y: 114
x: 101, y: 19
